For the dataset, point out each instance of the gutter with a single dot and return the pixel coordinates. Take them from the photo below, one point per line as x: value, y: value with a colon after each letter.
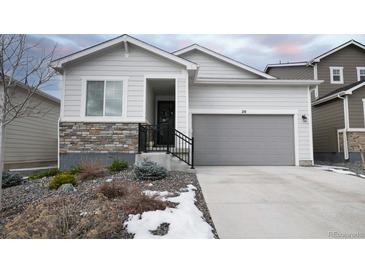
x: 257, y: 81
x: 347, y: 126
x: 333, y: 96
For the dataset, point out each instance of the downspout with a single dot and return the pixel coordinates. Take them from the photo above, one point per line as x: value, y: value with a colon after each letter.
x: 347, y: 126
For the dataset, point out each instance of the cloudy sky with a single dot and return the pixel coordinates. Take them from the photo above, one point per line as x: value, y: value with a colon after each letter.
x: 254, y: 50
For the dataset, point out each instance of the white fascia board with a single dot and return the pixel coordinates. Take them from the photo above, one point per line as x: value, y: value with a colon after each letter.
x: 336, y: 95
x: 224, y: 59
x: 57, y: 64
x: 299, y: 64
x: 258, y: 82
x: 329, y: 98
x: 351, y: 42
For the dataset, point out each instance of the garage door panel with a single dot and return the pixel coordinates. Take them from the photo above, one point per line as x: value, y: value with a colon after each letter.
x: 243, y: 139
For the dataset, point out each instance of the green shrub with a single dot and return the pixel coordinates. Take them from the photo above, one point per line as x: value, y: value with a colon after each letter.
x: 75, y: 170
x: 118, y: 165
x: 11, y: 179
x: 48, y: 173
x: 61, y: 179
x: 148, y: 170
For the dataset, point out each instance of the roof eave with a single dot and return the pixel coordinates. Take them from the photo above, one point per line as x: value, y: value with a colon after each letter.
x: 59, y: 63
x: 258, y: 82
x: 336, y: 95
x: 222, y: 58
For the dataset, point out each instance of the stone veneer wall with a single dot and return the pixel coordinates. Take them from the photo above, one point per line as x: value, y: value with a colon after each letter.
x: 98, y: 137
x: 355, y: 141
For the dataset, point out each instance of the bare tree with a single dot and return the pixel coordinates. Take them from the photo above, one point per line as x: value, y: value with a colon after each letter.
x: 23, y: 65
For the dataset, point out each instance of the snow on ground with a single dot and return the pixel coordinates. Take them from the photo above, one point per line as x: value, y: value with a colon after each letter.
x: 337, y: 169
x: 161, y: 195
x: 186, y: 220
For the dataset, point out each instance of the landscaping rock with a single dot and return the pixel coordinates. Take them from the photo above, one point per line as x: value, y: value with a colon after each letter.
x: 161, y: 230
x: 86, y: 202
x: 67, y: 188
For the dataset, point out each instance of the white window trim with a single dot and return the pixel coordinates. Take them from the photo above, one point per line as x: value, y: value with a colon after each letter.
x: 122, y: 118
x: 341, y: 75
x: 358, y: 72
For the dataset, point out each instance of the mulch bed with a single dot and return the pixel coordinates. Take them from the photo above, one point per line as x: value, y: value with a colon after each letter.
x: 16, y: 199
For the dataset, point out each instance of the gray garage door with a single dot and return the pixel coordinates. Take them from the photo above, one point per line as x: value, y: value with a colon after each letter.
x: 243, y: 139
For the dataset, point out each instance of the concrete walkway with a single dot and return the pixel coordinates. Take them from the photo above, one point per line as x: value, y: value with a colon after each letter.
x: 283, y: 202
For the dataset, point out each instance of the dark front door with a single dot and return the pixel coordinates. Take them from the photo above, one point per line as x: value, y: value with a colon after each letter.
x: 166, y: 122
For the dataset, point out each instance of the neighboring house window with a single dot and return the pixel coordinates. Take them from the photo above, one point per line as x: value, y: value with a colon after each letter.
x: 336, y: 75
x: 104, y: 98
x: 360, y: 73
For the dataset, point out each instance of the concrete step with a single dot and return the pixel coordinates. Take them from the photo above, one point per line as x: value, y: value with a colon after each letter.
x: 168, y: 161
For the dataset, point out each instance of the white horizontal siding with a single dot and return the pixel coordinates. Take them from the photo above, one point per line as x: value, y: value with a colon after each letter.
x: 113, y: 62
x: 211, y: 67
x: 264, y: 98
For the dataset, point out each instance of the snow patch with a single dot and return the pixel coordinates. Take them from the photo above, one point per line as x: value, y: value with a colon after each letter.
x: 186, y: 220
x: 338, y: 169
x: 152, y: 193
x: 341, y: 171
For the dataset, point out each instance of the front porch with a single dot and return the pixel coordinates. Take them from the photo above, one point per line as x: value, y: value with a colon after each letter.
x: 160, y: 133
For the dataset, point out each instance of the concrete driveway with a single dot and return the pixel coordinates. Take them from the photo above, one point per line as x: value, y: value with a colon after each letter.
x: 283, y: 202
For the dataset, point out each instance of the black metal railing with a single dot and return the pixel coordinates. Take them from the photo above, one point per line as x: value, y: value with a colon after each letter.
x: 155, y: 138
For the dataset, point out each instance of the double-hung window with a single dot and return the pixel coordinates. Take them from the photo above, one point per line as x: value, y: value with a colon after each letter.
x: 336, y: 74
x: 360, y: 73
x: 104, y: 98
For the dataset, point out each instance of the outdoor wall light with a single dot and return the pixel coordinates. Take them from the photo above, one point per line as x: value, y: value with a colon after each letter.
x: 304, y: 118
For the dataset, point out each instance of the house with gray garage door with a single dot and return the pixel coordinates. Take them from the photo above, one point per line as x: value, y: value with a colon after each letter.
x: 338, y: 103
x: 125, y: 97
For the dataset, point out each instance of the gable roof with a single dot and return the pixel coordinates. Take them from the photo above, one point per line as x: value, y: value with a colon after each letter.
x: 348, y: 43
x: 58, y: 63
x: 37, y: 92
x: 345, y: 90
x: 288, y: 64
x: 222, y: 58
x: 318, y: 58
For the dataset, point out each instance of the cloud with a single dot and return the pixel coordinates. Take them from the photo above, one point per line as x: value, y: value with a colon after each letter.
x: 254, y: 50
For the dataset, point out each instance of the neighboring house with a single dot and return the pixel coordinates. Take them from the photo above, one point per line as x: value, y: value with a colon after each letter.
x: 31, y: 142
x: 124, y: 97
x: 338, y: 103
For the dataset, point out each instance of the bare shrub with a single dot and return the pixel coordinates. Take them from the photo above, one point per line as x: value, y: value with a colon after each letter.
x: 60, y: 218
x: 113, y: 190
x: 138, y: 202
x: 91, y: 170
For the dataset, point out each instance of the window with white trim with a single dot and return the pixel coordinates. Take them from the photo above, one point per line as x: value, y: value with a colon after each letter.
x: 104, y: 98
x: 360, y: 73
x: 336, y: 74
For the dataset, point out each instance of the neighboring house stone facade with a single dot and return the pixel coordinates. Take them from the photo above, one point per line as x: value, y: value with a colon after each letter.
x: 338, y: 103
